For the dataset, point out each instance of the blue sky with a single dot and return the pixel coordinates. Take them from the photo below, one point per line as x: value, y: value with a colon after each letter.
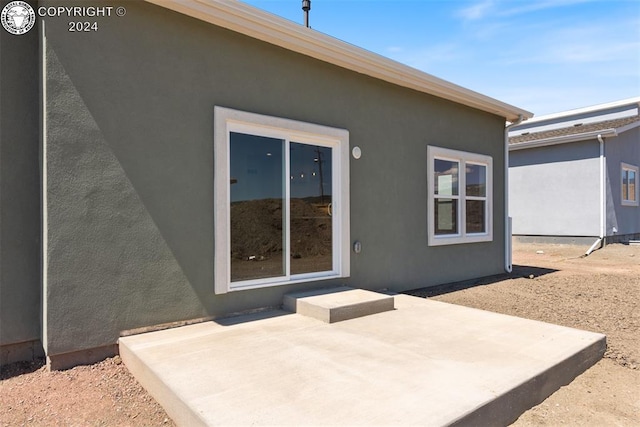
x: 544, y: 56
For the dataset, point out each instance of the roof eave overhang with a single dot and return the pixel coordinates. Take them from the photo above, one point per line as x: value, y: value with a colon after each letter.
x: 565, y: 139
x: 628, y: 127
x: 593, y: 109
x: 247, y: 20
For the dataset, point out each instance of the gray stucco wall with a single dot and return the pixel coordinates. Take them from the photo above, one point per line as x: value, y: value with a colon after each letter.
x: 129, y: 158
x: 555, y: 190
x: 19, y: 189
x: 625, y: 148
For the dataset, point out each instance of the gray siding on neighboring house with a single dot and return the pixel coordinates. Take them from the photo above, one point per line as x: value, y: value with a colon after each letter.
x: 129, y: 155
x: 555, y: 190
x: 19, y: 195
x: 625, y: 148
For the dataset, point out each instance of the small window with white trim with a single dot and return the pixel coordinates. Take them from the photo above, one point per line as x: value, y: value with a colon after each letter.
x: 629, y: 185
x: 460, y: 197
x: 281, y: 201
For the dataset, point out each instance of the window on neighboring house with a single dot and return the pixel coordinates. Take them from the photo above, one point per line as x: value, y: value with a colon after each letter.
x: 460, y: 197
x: 629, y: 185
x: 282, y: 201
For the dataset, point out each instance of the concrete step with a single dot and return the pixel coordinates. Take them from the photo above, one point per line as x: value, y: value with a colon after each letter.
x: 337, y: 304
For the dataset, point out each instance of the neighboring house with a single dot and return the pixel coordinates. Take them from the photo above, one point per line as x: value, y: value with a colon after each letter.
x: 193, y: 159
x: 573, y: 176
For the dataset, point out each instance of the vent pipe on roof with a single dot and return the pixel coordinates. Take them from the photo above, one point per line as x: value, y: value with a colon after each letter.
x: 306, y: 7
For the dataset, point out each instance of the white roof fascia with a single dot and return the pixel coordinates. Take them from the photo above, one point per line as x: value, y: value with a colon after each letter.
x: 591, y: 109
x: 605, y: 133
x: 533, y: 126
x: 253, y: 22
x: 628, y: 127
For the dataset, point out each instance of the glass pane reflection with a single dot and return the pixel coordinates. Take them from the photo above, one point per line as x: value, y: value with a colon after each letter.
x: 446, y: 177
x: 446, y: 214
x: 476, y: 216
x: 311, y: 228
x: 257, y: 202
x: 476, y: 184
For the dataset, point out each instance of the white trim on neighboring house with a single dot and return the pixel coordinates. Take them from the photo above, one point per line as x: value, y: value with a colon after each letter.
x: 630, y: 168
x: 628, y: 127
x: 227, y: 120
x: 592, y: 109
x: 253, y: 22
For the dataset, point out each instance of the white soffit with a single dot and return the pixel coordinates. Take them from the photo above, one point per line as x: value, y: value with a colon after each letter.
x: 632, y: 103
x: 597, y: 113
x: 242, y: 18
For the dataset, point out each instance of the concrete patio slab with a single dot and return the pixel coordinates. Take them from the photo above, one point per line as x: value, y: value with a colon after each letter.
x: 425, y: 363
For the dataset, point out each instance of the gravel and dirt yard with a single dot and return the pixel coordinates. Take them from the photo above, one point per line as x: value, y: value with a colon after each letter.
x: 599, y: 293
x: 550, y: 283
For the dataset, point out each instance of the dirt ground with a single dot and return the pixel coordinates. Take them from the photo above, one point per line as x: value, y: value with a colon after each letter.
x: 550, y: 283
x: 104, y: 394
x: 599, y: 293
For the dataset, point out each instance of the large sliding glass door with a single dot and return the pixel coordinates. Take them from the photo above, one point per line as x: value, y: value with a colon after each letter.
x: 281, y: 201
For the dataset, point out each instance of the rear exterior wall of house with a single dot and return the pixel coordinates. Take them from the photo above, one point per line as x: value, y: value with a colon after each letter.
x: 129, y: 154
x: 19, y: 197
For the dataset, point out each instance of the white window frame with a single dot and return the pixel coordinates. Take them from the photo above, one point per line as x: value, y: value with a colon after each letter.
x: 228, y: 120
x: 462, y: 157
x: 627, y: 202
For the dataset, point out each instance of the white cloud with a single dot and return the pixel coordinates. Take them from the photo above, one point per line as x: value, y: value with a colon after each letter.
x: 543, y: 66
x: 495, y: 8
x: 395, y: 49
x: 535, y: 6
x: 580, y: 44
x: 601, y: 51
x: 476, y: 11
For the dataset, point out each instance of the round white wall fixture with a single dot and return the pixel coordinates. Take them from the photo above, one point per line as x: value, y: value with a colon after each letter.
x: 357, y: 153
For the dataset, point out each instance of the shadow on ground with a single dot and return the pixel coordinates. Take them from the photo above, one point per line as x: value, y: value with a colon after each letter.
x: 19, y: 368
x: 519, y: 271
